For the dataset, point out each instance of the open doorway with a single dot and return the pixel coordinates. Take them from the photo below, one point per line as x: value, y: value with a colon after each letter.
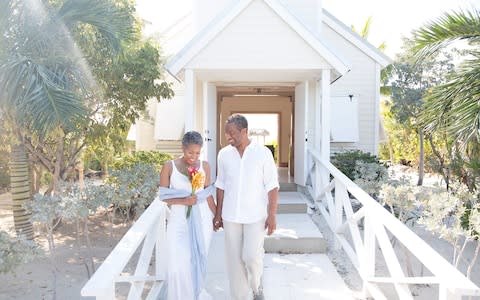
x: 277, y: 107
x: 263, y: 129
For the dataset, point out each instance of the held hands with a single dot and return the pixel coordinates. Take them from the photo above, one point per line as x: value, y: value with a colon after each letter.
x: 217, y: 223
x: 270, y: 224
x: 190, y: 200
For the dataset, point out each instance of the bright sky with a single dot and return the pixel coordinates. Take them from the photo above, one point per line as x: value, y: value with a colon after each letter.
x: 390, y: 19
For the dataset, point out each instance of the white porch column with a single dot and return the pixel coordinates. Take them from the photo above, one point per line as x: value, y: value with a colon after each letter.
x: 210, y: 126
x: 325, y: 118
x: 320, y: 175
x: 190, y: 93
x: 318, y: 116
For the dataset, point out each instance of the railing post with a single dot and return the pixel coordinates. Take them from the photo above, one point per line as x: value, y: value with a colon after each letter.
x: 319, y: 184
x: 367, y: 263
x: 340, y: 194
x: 161, y: 246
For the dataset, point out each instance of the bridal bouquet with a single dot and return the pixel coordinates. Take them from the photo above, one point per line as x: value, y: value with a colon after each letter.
x: 197, y: 179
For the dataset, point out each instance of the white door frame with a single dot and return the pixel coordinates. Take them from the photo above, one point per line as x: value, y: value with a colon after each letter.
x: 301, y: 133
x: 210, y: 127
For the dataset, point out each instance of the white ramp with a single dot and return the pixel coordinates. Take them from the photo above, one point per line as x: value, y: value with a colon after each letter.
x: 286, y: 277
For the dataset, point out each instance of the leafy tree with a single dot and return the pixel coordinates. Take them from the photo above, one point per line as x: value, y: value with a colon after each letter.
x: 410, y: 82
x: 402, y: 142
x: 154, y: 158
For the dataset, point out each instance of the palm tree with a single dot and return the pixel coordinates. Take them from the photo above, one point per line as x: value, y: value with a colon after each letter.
x: 42, y: 82
x: 453, y: 106
x: 365, y: 33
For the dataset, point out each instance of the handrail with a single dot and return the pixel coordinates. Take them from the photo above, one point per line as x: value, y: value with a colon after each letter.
x: 452, y: 282
x: 150, y: 228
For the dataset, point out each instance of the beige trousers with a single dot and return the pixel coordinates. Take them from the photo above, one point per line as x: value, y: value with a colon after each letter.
x: 244, y: 257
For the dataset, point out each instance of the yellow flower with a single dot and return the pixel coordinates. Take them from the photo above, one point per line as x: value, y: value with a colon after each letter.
x: 197, y: 179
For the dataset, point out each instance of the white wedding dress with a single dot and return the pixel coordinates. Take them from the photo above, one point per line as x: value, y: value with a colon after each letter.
x: 179, y: 278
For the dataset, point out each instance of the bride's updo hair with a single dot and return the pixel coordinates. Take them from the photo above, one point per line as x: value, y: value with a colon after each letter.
x: 192, y: 137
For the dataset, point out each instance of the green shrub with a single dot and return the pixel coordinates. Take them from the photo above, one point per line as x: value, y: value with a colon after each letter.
x: 15, y: 251
x: 370, y: 177
x: 347, y: 161
x: 134, y: 188
x: 142, y: 157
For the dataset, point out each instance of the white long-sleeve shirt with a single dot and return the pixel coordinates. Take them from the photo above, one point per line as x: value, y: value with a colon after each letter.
x: 246, y: 182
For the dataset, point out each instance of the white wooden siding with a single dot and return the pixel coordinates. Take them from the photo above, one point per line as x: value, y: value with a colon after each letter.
x: 258, y: 39
x: 170, y: 116
x: 359, y: 81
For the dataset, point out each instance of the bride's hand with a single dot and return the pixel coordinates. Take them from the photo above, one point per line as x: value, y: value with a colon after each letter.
x: 191, y: 200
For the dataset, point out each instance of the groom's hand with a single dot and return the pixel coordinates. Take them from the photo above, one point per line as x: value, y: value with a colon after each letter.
x: 217, y: 222
x: 271, y: 224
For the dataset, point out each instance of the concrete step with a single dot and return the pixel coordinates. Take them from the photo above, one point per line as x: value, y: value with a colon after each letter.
x: 292, y: 203
x: 288, y: 187
x: 286, y: 277
x: 296, y: 233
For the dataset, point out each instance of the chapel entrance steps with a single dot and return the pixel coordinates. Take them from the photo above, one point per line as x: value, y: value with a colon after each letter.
x: 296, y: 265
x: 296, y: 232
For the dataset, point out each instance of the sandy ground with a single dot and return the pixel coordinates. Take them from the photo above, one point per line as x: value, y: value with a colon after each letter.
x: 34, y: 280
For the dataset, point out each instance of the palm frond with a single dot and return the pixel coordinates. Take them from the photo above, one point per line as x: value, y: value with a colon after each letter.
x: 113, y: 22
x: 366, y: 28
x: 37, y: 96
x: 461, y: 25
x: 455, y: 106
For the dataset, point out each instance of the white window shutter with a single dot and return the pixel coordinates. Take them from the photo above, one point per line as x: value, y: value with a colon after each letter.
x: 344, y: 119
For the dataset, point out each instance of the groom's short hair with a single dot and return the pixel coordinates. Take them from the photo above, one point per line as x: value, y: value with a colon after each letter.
x: 238, y: 120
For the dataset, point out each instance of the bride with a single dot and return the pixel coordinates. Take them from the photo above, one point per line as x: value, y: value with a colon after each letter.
x: 189, y: 227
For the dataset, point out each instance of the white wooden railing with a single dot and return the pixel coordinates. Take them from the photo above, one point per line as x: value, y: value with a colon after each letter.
x: 379, y: 226
x: 151, y: 229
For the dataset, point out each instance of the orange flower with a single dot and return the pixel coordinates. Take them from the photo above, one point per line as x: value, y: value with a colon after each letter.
x: 197, y: 179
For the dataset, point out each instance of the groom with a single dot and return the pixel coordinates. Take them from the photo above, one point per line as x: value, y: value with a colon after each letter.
x: 247, y: 194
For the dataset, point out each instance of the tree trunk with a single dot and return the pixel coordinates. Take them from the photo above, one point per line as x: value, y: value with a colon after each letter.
x: 421, y: 160
x: 81, y: 175
x: 58, y: 164
x: 105, y: 169
x: 21, y: 192
x: 390, y: 152
x: 443, y: 168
